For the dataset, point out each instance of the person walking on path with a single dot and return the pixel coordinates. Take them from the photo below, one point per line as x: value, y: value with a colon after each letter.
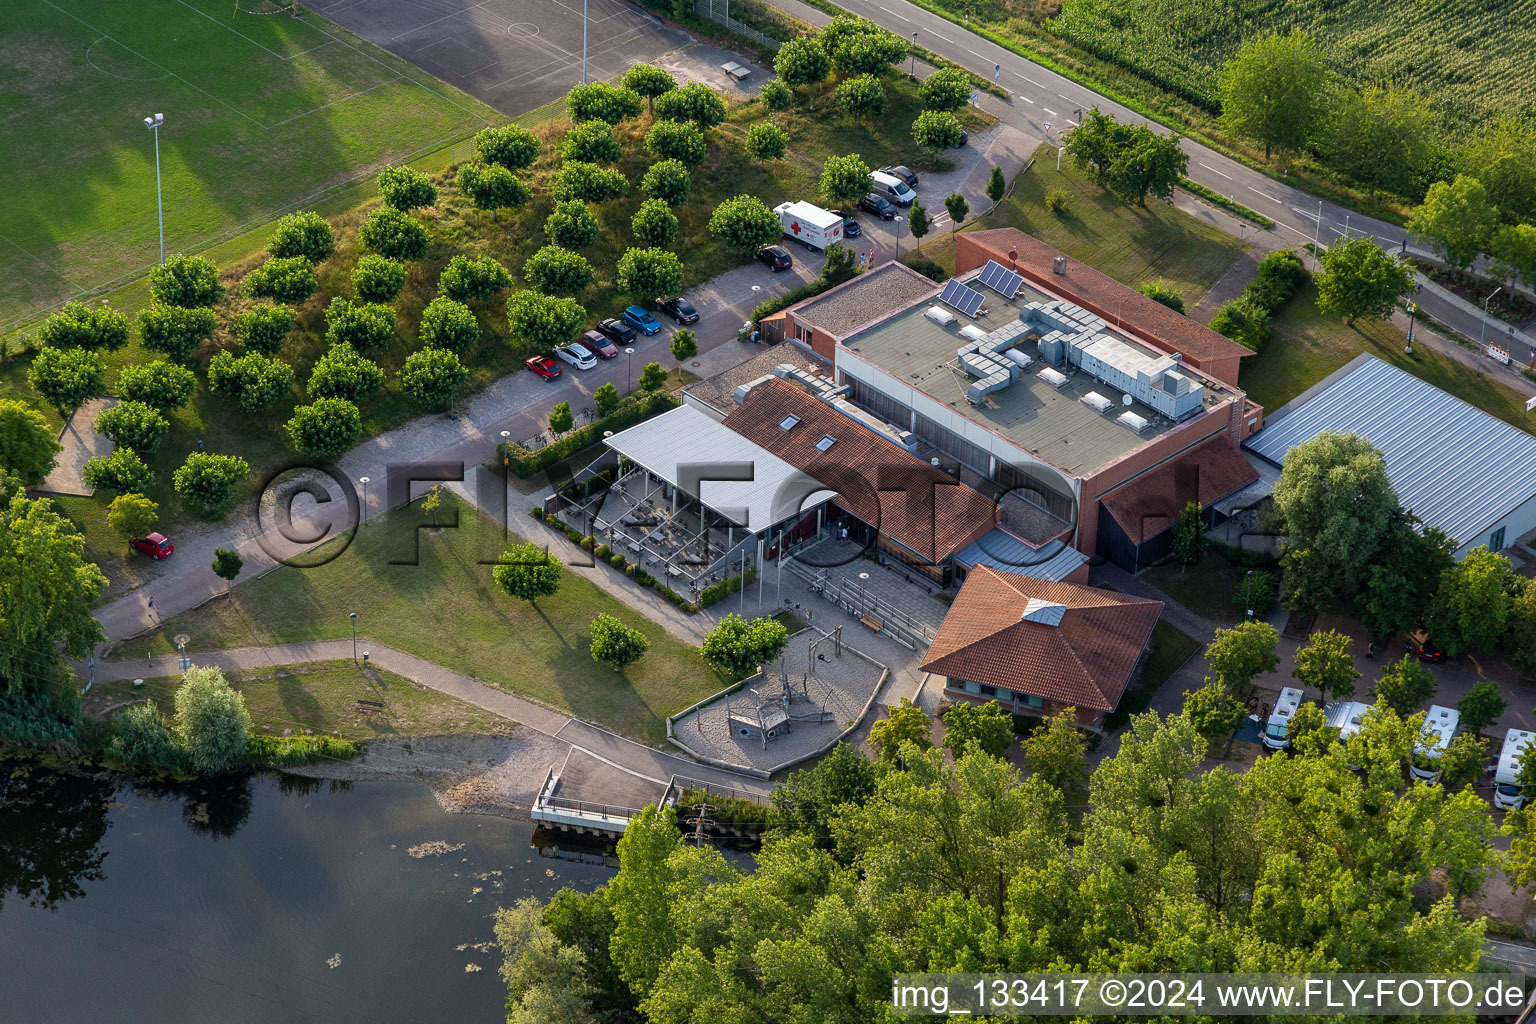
x: 1370, y: 651
x: 152, y: 606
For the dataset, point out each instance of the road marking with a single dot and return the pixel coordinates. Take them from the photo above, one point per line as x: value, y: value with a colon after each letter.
x: 1071, y: 122
x: 1067, y: 98
x: 1304, y: 213
x: 1026, y: 99
x: 1031, y: 81
x: 1299, y: 234
x: 1048, y: 110
x: 898, y: 14
x: 973, y: 53
x: 1215, y: 171
x: 1266, y: 195
x: 946, y: 39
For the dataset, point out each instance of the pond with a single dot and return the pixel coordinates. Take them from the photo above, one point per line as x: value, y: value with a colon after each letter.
x: 262, y: 899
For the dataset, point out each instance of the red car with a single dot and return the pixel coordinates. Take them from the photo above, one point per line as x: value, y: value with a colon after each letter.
x: 155, y: 545
x: 544, y: 366
x: 599, y: 344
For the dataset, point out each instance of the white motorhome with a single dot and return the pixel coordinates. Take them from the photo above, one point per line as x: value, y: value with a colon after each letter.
x: 1276, y: 730
x: 1507, y: 792
x: 1439, y: 728
x: 810, y: 225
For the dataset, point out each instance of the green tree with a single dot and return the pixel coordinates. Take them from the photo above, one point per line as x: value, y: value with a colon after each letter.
x: 378, y: 278
x: 1095, y: 143
x: 616, y: 644
x: 935, y: 130
x: 1147, y: 164
x: 132, y: 515
x: 122, y: 472
x: 599, y: 101
x: 1503, y: 158
x: 1273, y: 90
x: 684, y: 345
x: 653, y: 377
x: 650, y: 273
x: 572, y: 225
x: 997, y: 185
x: 802, y: 61
x: 510, y: 145
x: 776, y: 96
x: 654, y: 223
x: 542, y: 322
x: 262, y: 328
x: 1309, y: 733
x: 1482, y: 706
x: 844, y: 180
x: 27, y: 444
x: 77, y: 325
x: 1405, y: 686
x: 741, y: 647
x: 587, y: 182
x: 1404, y: 576
x: 1327, y: 665
x: 175, y: 331
x: 1214, y: 712
x: 745, y: 224
x: 861, y: 97
x: 186, y: 281
x: 432, y: 501
x: 491, y: 186
x: 342, y: 373
x: 1244, y: 321
x: 448, y: 324
x: 767, y: 141
x: 605, y: 399
x: 1162, y: 292
x: 227, y: 565
x: 681, y: 141
x: 205, y: 480
x: 282, y: 278
x: 869, y: 54
x: 67, y: 378
x: 592, y: 142
x: 254, y: 380
x: 906, y: 723
x: 1359, y: 279
x: 560, y: 418
x: 304, y: 234
x: 1381, y: 137
x: 431, y: 377
x: 1513, y: 253
x: 946, y: 90
x: 128, y: 425
x: 1189, y: 534
x: 528, y: 571
x: 1239, y: 654
x: 957, y: 207
x: 557, y: 271
x: 468, y: 278
x: 649, y: 81
x: 1057, y: 753
x: 669, y: 181
x: 695, y: 102
x: 1520, y: 638
x: 160, y: 384
x: 368, y: 326
x: 324, y: 427
x: 211, y: 721
x: 917, y: 221
x: 1470, y: 608
x: 47, y: 591
x: 393, y: 233
x: 1463, y: 762
x: 808, y: 799
x: 985, y: 727
x: 1456, y: 219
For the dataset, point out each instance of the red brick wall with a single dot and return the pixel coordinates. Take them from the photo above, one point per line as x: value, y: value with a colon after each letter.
x: 813, y: 338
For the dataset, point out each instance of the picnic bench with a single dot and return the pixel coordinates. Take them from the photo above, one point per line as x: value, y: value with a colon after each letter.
x: 872, y: 622
x: 737, y: 71
x: 370, y: 705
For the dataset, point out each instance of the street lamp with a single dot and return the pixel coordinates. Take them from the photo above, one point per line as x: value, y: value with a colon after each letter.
x: 1248, y: 593
x: 1413, y: 311
x: 153, y: 124
x: 353, y: 617
x: 913, y: 72
x: 899, y: 220
x: 1484, y: 327
x: 364, y: 481
x: 584, y: 40
x: 630, y: 351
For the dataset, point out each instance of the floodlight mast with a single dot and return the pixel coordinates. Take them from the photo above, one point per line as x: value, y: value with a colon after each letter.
x: 153, y: 124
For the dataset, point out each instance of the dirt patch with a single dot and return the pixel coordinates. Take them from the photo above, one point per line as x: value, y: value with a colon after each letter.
x: 80, y: 442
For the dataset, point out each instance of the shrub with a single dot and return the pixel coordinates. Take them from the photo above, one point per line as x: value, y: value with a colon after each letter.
x: 776, y: 95
x: 677, y: 140
x: 342, y: 373
x: 432, y: 376
x: 206, y: 480
x: 254, y: 380
x: 1057, y: 200
x: 78, y: 325
x: 617, y: 560
x: 186, y: 281
x: 654, y: 223
x: 473, y: 277
x: 67, y: 378
x: 511, y: 146
x: 587, y: 182
x: 158, y: 383
x: 284, y: 278
x: 923, y: 265
x: 285, y: 751
x: 448, y: 324
x: 132, y: 515
x: 555, y: 270
x: 211, y: 721
x: 367, y: 326
x: 1244, y: 321
x: 491, y: 187
x: 263, y: 327
x: 133, y: 425
x: 1162, y: 292
x: 717, y: 592
x: 1257, y: 593
x: 572, y: 225
x: 33, y: 718
x: 591, y: 141
x: 602, y: 551
x: 587, y: 543
x: 326, y: 426
x: 378, y: 278
x: 304, y: 234
x: 122, y: 472
x: 406, y: 188
x: 175, y: 331
x: 669, y: 181
x: 393, y: 233
x: 142, y: 739
x: 1280, y: 275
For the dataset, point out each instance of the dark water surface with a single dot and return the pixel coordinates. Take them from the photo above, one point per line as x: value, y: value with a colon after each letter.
x: 232, y: 902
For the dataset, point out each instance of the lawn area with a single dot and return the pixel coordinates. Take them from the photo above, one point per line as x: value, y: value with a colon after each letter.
x: 447, y: 610
x: 260, y: 113
x: 1131, y: 244
x: 1205, y: 588
x: 1169, y: 648
x: 1305, y: 346
x: 322, y: 696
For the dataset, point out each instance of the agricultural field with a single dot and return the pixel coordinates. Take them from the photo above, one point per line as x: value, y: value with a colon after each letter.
x: 261, y: 113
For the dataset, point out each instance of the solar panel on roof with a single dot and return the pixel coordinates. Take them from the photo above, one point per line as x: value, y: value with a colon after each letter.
x: 966, y: 300
x: 1000, y: 279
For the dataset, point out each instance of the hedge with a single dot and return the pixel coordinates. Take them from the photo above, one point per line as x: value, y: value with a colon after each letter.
x: 725, y: 588
x: 634, y: 410
x: 1245, y: 319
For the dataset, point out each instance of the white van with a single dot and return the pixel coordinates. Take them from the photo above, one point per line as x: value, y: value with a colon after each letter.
x: 1276, y: 730
x: 1439, y: 728
x: 1347, y: 716
x: 1507, y: 792
x: 888, y: 186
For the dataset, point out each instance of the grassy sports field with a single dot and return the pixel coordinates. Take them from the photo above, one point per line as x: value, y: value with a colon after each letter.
x: 261, y: 113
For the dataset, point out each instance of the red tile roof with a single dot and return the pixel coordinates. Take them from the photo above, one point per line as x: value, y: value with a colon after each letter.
x: 913, y: 503
x: 1150, y: 503
x: 1170, y: 331
x: 1086, y: 660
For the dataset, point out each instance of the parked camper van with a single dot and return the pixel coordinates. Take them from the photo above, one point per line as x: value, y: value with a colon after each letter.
x: 1276, y: 730
x: 1439, y: 727
x: 1347, y: 716
x: 1507, y: 792
x: 890, y: 187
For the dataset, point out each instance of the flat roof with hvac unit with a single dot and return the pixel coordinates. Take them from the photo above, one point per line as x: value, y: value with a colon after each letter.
x: 1000, y: 279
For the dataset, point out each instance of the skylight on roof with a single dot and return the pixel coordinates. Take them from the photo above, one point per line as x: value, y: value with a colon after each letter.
x: 825, y: 443
x: 788, y: 421
x: 1047, y: 613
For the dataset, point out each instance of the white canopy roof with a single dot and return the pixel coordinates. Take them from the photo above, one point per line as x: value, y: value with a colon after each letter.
x: 700, y: 455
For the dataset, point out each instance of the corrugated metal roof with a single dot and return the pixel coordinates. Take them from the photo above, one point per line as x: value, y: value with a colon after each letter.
x: 1000, y: 549
x: 686, y: 440
x: 1453, y: 465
